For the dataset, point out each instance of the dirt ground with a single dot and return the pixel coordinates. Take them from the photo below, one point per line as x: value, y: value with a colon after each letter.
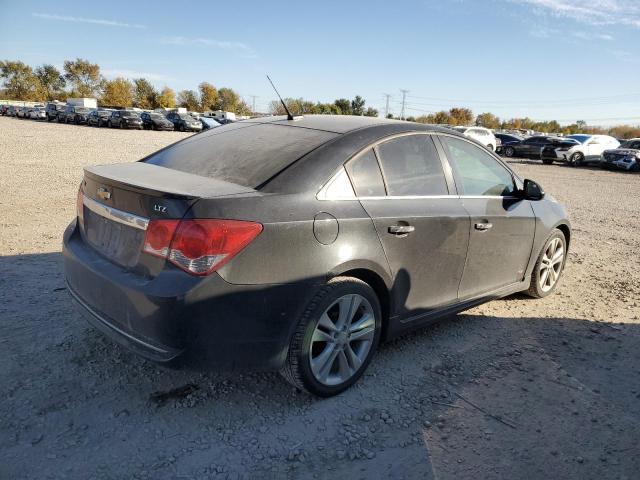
x: 516, y: 388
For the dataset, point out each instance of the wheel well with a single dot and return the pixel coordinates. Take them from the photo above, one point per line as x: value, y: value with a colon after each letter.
x: 374, y: 281
x: 567, y: 233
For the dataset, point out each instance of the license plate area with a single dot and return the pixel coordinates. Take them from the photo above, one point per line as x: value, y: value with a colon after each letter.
x: 116, y: 241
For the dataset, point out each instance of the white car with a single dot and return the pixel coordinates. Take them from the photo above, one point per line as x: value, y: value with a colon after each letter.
x: 589, y: 149
x: 480, y: 134
x: 37, y: 114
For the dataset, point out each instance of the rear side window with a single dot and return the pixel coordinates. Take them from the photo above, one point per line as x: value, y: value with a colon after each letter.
x: 412, y: 166
x: 247, y: 154
x: 479, y: 172
x: 365, y: 175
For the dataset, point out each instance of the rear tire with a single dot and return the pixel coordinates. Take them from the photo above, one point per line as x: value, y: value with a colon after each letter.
x: 549, y: 266
x: 547, y: 161
x: 335, y: 339
x: 576, y: 159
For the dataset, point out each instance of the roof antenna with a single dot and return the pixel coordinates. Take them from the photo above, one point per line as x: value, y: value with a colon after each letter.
x: 289, y: 116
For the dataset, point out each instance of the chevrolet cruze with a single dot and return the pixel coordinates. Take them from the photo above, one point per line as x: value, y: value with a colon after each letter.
x: 299, y: 244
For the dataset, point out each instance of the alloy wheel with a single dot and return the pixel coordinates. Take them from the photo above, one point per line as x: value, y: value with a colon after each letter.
x: 342, y: 339
x: 551, y: 264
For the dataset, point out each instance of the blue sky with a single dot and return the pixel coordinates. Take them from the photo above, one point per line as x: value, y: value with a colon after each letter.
x: 548, y: 59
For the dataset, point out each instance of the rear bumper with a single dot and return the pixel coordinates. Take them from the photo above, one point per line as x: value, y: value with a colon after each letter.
x: 179, y: 319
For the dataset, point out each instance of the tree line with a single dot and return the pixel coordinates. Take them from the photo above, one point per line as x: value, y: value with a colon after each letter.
x: 464, y: 116
x: 81, y: 78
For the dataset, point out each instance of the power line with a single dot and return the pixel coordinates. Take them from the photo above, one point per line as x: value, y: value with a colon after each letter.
x: 404, y: 96
x: 253, y: 103
x: 621, y: 98
x: 386, y: 107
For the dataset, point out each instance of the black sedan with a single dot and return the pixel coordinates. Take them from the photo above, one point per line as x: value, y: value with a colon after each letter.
x: 99, y: 117
x: 155, y: 121
x: 529, y: 147
x: 506, y: 139
x: 298, y: 245
x: 125, y: 119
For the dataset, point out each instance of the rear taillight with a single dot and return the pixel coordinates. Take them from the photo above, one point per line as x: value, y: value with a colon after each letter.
x: 200, y: 246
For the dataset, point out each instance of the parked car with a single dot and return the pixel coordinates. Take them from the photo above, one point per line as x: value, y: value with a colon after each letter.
x: 556, y: 149
x: 125, y: 119
x: 73, y: 114
x: 278, y: 244
x: 12, y: 111
x: 155, y: 121
x: 52, y: 109
x: 4, y: 109
x: 626, y: 157
x: 588, y: 150
x: 529, y: 147
x: 481, y: 135
x: 23, y: 112
x: 506, y: 139
x: 99, y: 117
x: 37, y: 114
x: 208, y: 122
x: 184, y: 122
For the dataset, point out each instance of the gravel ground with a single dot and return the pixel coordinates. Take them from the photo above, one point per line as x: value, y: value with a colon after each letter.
x: 516, y: 388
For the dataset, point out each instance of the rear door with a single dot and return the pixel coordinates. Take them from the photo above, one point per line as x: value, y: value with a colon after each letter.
x: 419, y: 219
x: 502, y: 225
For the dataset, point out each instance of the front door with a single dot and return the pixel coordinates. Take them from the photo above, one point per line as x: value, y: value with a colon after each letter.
x: 422, y: 226
x: 502, y: 225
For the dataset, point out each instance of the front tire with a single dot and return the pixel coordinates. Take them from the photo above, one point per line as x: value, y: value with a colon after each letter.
x: 549, y: 266
x: 547, y: 161
x: 509, y: 152
x: 335, y: 339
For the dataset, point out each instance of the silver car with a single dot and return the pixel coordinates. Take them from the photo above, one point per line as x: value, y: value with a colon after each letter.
x: 625, y: 157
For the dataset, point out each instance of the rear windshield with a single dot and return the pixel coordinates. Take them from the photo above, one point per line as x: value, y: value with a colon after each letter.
x: 247, y: 154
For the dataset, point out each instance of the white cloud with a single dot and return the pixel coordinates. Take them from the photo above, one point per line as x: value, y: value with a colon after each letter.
x: 590, y: 12
x: 592, y: 36
x: 94, y: 21
x: 154, y: 77
x: 208, y: 42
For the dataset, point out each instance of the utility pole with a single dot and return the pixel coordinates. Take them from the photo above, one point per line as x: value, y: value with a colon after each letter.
x: 386, y: 107
x: 404, y: 94
x: 253, y: 103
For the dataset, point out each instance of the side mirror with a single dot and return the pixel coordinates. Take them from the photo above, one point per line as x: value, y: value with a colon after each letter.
x: 532, y: 191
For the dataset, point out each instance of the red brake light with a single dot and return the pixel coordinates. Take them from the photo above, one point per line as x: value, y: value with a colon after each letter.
x: 199, y: 246
x: 158, y: 237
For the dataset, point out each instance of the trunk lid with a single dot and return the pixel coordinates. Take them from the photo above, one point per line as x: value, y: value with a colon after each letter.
x: 119, y: 201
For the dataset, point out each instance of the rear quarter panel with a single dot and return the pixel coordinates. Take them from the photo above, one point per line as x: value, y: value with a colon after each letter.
x: 287, y: 251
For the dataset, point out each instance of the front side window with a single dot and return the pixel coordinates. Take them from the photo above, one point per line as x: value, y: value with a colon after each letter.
x: 365, y: 175
x: 412, y: 166
x: 479, y: 173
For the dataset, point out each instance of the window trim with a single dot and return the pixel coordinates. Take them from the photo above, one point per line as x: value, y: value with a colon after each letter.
x: 448, y: 179
x: 446, y: 168
x: 517, y: 181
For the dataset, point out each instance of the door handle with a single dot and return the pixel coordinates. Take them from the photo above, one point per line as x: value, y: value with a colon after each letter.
x: 401, y: 229
x: 483, y: 227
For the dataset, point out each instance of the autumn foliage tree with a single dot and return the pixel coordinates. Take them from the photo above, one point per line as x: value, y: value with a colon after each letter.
x: 166, y: 98
x: 145, y: 96
x: 118, y: 92
x: 208, y: 96
x: 84, y: 77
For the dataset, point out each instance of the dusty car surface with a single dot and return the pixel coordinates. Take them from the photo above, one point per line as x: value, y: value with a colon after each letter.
x: 298, y: 245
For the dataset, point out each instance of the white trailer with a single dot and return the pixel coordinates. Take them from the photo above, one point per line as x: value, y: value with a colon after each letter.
x: 83, y: 102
